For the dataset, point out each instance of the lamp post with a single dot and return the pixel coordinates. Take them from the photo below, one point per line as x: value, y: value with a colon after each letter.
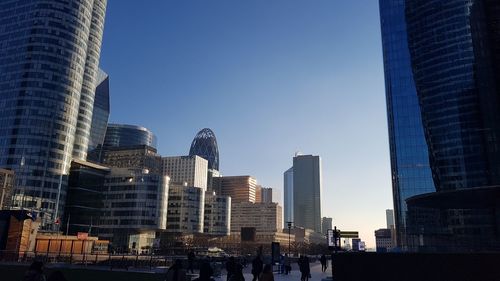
x: 289, y: 224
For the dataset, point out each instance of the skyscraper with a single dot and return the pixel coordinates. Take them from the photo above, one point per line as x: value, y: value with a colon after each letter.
x: 48, y: 67
x: 326, y: 223
x: 205, y: 145
x: 410, y: 170
x: 307, y: 187
x: 288, y: 195
x: 100, y: 117
x: 189, y: 170
x: 389, y: 217
x: 121, y: 135
x: 455, y: 54
x: 240, y: 188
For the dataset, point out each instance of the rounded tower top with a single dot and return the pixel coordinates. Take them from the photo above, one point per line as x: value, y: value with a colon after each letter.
x: 205, y: 145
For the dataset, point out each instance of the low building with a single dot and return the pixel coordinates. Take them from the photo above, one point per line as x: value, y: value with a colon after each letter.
x: 383, y: 240
x: 308, y: 236
x: 6, y: 188
x: 217, y: 216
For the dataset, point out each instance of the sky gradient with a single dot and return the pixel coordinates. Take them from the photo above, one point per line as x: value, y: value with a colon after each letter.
x: 270, y: 78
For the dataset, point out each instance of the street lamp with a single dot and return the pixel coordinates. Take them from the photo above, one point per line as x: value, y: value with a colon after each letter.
x: 289, y: 224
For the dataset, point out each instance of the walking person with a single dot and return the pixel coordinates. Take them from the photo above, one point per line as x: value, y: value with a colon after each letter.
x: 287, y: 264
x: 267, y: 273
x: 206, y: 272
x: 237, y: 273
x: 176, y: 273
x: 190, y: 258
x: 323, y: 261
x: 257, y: 267
x: 305, y: 270
x: 35, y: 272
x: 230, y: 267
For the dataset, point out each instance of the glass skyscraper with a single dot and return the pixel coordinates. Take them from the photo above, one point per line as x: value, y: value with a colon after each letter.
x: 119, y: 135
x: 455, y: 49
x: 100, y: 113
x: 205, y: 145
x: 410, y: 170
x: 48, y: 67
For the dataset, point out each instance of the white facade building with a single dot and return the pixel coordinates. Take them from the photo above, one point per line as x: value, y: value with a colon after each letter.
x: 186, y: 170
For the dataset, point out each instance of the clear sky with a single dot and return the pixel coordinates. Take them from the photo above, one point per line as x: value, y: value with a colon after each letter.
x: 270, y: 78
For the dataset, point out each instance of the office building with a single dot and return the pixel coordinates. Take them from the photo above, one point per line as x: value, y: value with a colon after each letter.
x: 288, y: 195
x: 264, y: 217
x: 100, y: 117
x: 258, y: 193
x: 410, y: 169
x: 6, y: 187
x: 326, y: 223
x: 307, y: 186
x: 205, y: 145
x: 46, y: 96
x: 85, y: 200
x: 389, y: 217
x: 239, y: 188
x: 383, y: 240
x: 266, y: 195
x: 121, y: 135
x: 186, y: 170
x: 453, y: 53
x: 217, y: 216
x: 186, y: 206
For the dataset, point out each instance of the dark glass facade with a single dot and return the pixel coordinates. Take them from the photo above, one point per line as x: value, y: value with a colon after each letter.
x: 454, y: 47
x: 118, y: 135
x: 410, y: 170
x: 49, y: 53
x: 85, y: 199
x: 100, y: 117
x: 205, y: 146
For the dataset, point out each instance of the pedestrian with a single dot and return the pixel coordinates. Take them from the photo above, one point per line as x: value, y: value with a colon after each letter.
x: 35, y: 272
x: 287, y: 264
x: 176, y: 273
x: 257, y: 266
x: 267, y: 273
x: 206, y: 272
x: 190, y: 258
x: 305, y: 270
x: 237, y: 273
x: 230, y: 267
x: 57, y: 276
x: 323, y: 261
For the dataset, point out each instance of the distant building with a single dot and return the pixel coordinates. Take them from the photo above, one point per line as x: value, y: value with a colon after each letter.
x: 217, y: 214
x: 6, y: 188
x: 240, y: 188
x: 205, y: 145
x: 389, y: 217
x: 288, y: 195
x: 267, y: 195
x: 326, y: 223
x: 258, y: 194
x: 307, y: 187
x: 186, y: 170
x: 304, y: 235
x: 383, y: 240
x: 186, y: 206
x: 121, y: 135
x: 265, y: 217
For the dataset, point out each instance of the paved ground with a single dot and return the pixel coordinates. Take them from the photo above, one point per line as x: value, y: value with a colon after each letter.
x: 316, y: 274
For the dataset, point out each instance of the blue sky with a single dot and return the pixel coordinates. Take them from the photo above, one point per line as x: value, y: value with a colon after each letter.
x: 270, y: 78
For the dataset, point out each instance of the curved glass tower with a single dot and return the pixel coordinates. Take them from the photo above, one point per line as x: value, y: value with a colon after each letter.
x: 119, y: 135
x: 100, y: 113
x: 205, y: 145
x: 48, y: 65
x: 410, y: 170
x: 454, y: 47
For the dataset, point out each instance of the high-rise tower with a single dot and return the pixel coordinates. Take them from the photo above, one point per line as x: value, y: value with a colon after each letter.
x: 48, y: 68
x: 411, y: 174
x: 307, y: 187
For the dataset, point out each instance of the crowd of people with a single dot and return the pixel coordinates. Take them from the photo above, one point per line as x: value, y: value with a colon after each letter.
x: 176, y: 272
